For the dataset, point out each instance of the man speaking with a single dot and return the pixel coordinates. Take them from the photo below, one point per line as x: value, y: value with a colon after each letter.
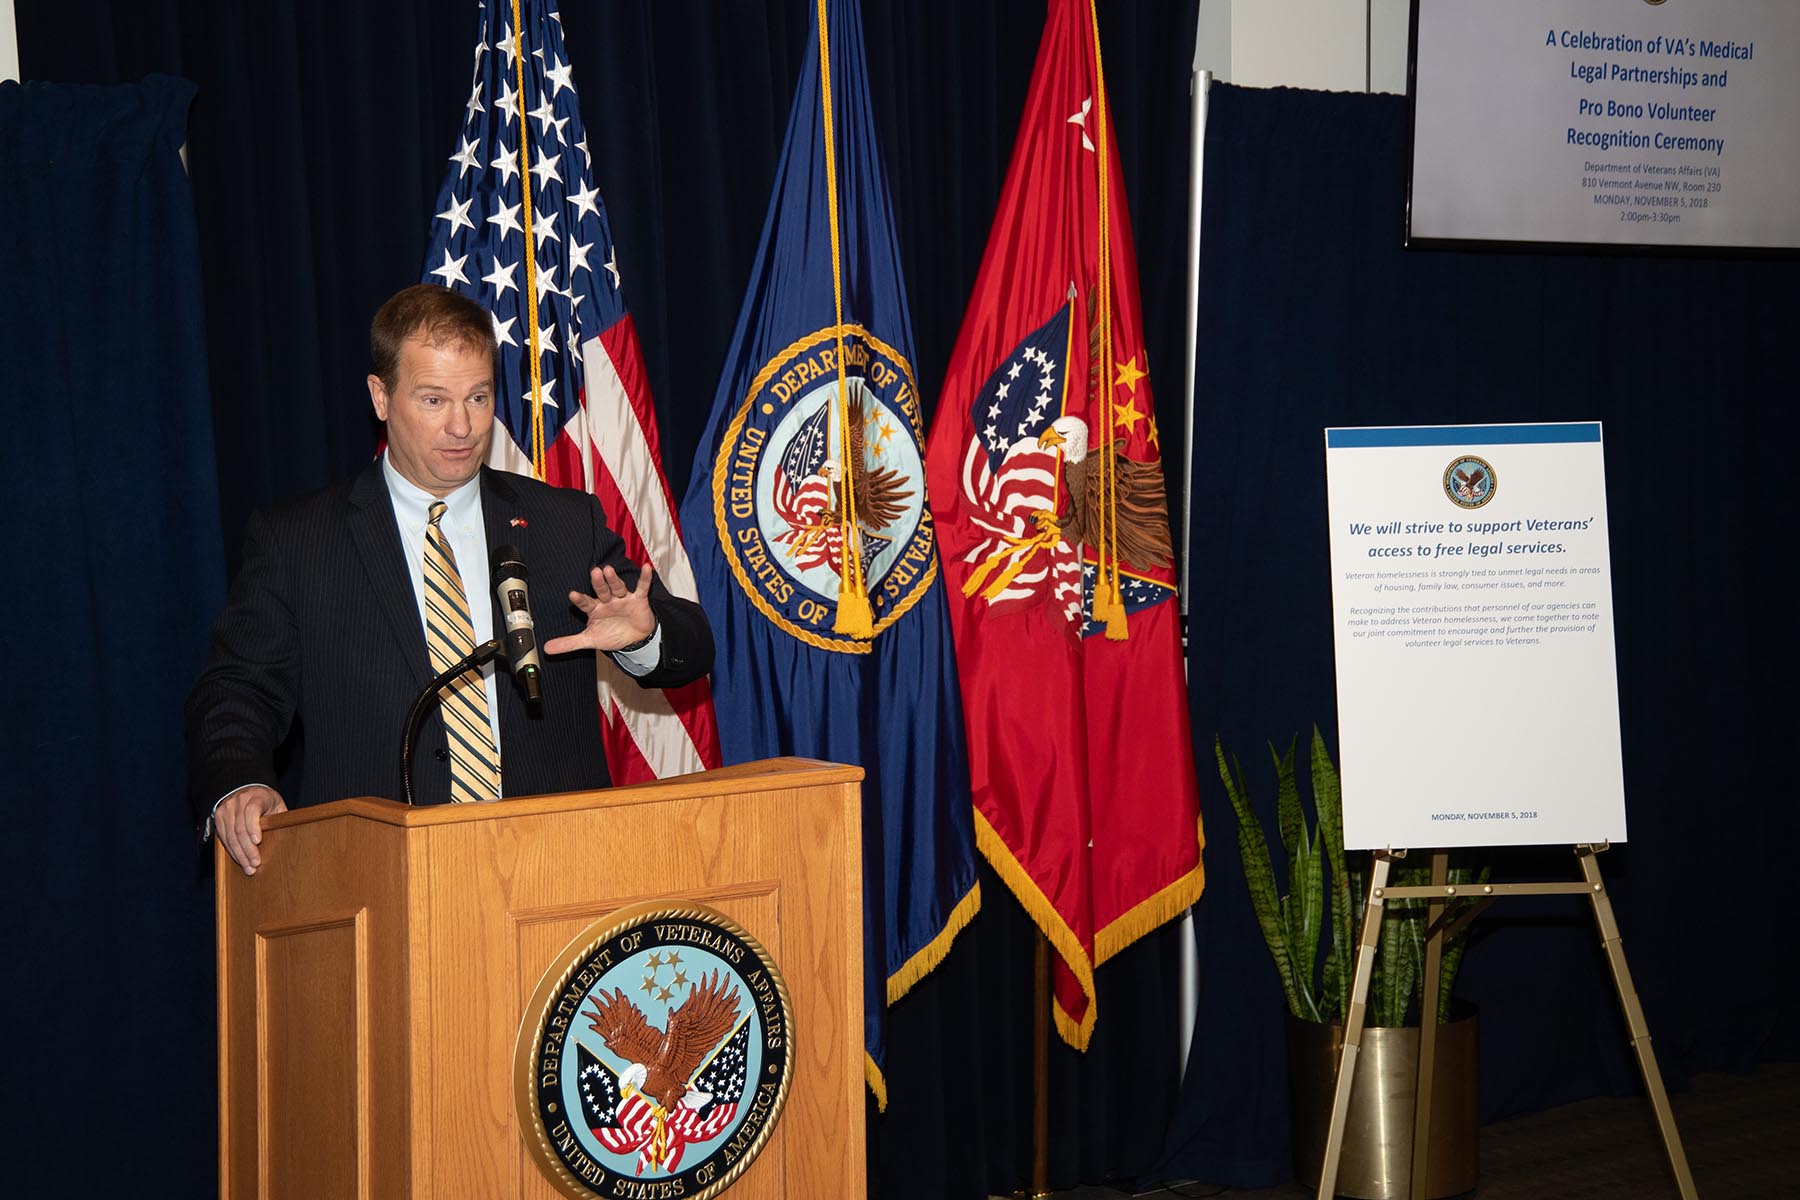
x: 350, y: 600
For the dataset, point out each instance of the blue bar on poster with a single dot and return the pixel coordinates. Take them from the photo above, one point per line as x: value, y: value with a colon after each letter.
x: 1461, y: 435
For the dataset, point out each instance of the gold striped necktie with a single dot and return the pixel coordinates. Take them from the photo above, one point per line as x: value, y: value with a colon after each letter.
x: 474, y: 760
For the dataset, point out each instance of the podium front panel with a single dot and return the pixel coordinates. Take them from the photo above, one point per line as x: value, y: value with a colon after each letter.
x: 506, y: 898
x: 374, y: 973
x: 313, y: 1016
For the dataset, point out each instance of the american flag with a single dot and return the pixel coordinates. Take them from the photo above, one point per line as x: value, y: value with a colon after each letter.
x: 1136, y: 592
x: 599, y: 1091
x: 802, y: 497
x: 806, y: 499
x: 626, y: 1122
x: 1025, y: 392
x: 521, y: 160
x: 806, y: 453
x: 723, y: 1077
x: 1010, y: 477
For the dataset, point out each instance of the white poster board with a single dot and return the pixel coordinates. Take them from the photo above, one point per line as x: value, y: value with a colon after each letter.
x: 1472, y: 609
x: 1667, y: 123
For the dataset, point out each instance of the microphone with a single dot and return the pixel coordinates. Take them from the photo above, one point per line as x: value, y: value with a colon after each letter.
x: 520, y: 635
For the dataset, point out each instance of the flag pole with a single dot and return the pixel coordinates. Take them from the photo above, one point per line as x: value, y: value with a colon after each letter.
x: 1199, y: 88
x: 1040, y: 1070
x: 1201, y: 85
x: 531, y: 293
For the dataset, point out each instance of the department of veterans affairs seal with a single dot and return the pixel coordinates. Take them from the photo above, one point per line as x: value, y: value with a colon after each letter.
x: 1469, y: 481
x: 779, y: 486
x: 655, y: 1056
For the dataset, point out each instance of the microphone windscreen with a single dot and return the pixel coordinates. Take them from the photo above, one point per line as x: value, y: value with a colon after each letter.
x: 509, y: 563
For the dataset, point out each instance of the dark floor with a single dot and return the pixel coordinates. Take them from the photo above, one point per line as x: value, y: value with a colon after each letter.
x: 1742, y: 1135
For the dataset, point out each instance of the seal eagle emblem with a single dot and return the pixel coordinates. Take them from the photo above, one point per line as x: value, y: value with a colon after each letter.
x: 819, y: 472
x: 1032, y: 478
x: 1469, y: 481
x: 655, y: 1056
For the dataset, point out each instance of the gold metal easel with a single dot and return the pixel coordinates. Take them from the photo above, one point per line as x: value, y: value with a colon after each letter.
x: 1439, y: 892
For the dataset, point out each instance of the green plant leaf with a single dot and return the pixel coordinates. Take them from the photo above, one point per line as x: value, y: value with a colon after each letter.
x: 1359, y: 888
x: 1259, y: 875
x: 1414, y: 928
x: 1402, y: 949
x: 1302, y: 911
x: 1294, y: 926
x: 1317, y: 864
x: 1333, y: 985
x: 1306, y: 947
x: 1381, y: 986
x: 1328, y: 803
x: 1288, y: 817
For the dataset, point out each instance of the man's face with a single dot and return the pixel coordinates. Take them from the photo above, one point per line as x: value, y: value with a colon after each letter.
x: 440, y: 413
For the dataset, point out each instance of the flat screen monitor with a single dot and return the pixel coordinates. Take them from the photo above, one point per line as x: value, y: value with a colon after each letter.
x: 1631, y: 125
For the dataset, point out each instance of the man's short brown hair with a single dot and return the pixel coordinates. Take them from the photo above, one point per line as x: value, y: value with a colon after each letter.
x: 442, y: 315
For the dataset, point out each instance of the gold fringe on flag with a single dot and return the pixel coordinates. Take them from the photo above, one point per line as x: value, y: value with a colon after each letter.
x: 1056, y: 931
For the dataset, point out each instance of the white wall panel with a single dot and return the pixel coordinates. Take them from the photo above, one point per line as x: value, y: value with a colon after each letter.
x: 9, y: 42
x: 1388, y: 22
x: 1334, y: 45
x: 1299, y: 43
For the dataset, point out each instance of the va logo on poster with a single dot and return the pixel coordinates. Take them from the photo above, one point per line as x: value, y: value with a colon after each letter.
x: 1469, y: 481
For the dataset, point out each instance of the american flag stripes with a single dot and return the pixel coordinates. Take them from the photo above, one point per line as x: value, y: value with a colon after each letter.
x: 625, y: 1121
x: 521, y: 162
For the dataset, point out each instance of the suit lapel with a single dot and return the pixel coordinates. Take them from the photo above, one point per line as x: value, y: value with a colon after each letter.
x: 499, y: 512
x: 377, y: 540
x: 500, y: 515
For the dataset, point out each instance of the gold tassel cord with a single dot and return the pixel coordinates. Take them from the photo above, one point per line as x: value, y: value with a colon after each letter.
x: 531, y: 291
x: 1109, y: 605
x: 1050, y: 435
x: 659, y: 1143
x: 1022, y: 552
x: 855, y: 617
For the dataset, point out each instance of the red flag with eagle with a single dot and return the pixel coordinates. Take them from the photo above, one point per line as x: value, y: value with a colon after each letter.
x: 522, y: 229
x: 1045, y: 480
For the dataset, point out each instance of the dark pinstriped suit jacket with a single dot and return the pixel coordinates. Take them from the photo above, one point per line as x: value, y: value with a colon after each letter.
x: 322, y: 630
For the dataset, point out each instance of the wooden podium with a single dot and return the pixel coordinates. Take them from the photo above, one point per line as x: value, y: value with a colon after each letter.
x: 372, y: 974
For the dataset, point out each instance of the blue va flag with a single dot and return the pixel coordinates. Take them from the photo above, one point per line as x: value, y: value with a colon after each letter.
x: 810, y: 537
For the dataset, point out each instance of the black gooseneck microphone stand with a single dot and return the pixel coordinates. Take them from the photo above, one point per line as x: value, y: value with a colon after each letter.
x: 478, y: 657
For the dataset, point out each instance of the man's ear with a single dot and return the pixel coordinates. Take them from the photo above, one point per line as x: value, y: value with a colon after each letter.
x: 378, y: 397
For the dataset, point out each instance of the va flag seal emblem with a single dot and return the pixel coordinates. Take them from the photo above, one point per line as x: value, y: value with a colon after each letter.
x: 1469, y: 481
x: 779, y: 486
x: 1029, y: 479
x: 655, y: 1056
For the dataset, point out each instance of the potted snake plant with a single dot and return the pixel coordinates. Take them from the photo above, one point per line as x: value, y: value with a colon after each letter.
x: 1312, y: 933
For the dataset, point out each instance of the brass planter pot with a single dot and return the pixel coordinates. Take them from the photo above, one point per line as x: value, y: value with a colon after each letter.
x: 1377, y: 1158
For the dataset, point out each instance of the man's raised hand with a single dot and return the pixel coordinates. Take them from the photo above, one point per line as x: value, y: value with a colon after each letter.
x: 617, y: 616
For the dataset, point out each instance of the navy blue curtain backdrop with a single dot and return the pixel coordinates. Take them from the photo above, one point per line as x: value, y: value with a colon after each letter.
x: 317, y: 142
x: 1311, y: 315
x: 111, y: 520
x: 322, y: 128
